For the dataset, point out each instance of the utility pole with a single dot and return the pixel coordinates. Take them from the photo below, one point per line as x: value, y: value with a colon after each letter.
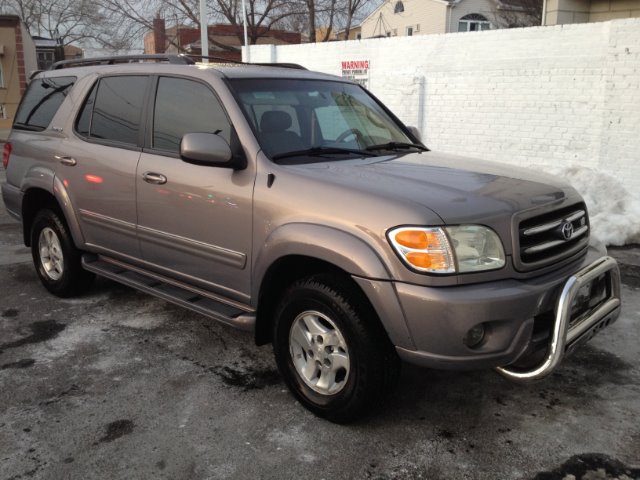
x: 246, y: 41
x: 204, y: 31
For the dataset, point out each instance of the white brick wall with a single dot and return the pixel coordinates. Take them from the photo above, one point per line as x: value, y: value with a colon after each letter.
x: 542, y: 95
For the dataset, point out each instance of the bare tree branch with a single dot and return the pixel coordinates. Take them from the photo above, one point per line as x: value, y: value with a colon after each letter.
x: 518, y: 13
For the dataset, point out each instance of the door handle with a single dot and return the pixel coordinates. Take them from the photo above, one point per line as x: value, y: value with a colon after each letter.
x: 155, y: 178
x: 69, y: 161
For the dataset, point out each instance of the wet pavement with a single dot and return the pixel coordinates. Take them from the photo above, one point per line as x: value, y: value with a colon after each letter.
x: 119, y: 385
x: 628, y: 258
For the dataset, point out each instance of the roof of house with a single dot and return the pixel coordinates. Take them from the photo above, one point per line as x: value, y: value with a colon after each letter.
x: 44, y: 42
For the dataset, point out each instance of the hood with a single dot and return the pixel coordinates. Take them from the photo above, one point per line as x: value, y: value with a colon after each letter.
x: 458, y: 189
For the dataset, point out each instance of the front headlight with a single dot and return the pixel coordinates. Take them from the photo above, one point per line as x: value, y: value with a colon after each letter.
x: 477, y: 248
x: 460, y: 249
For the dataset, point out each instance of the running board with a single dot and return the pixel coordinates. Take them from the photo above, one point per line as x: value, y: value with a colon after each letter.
x: 170, y: 290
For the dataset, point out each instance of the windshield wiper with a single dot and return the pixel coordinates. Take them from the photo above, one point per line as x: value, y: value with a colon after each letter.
x: 319, y: 151
x: 397, y: 146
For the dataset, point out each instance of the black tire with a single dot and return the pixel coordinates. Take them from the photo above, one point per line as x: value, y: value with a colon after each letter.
x: 373, y: 364
x: 60, y: 271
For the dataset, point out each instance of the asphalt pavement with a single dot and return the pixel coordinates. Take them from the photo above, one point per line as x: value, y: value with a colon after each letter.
x: 120, y: 385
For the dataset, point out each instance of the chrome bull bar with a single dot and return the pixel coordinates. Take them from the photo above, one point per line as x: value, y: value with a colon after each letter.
x: 565, y: 335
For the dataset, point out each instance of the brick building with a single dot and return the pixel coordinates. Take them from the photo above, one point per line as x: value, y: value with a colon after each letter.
x: 224, y: 40
x: 49, y: 51
x: 17, y: 61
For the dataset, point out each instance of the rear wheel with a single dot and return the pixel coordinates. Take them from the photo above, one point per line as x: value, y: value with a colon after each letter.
x: 55, y: 257
x: 331, y: 349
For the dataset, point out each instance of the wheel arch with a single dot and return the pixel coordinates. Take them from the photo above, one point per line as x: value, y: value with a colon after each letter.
x: 37, y: 196
x: 297, y: 250
x: 280, y: 275
x: 336, y: 247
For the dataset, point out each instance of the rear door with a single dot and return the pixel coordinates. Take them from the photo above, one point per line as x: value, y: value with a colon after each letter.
x: 99, y: 170
x: 194, y: 221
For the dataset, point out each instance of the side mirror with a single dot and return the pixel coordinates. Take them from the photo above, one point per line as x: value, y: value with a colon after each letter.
x: 416, y: 133
x: 208, y: 149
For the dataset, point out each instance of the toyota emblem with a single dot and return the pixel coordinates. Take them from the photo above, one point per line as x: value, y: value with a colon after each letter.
x: 567, y: 230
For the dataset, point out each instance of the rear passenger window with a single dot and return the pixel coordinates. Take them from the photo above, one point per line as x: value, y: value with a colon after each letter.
x: 184, y: 106
x: 113, y: 110
x: 41, y: 102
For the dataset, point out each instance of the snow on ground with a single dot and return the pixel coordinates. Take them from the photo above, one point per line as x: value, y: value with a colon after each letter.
x: 614, y: 212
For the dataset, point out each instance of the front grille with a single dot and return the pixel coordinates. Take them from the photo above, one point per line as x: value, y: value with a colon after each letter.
x: 553, y: 236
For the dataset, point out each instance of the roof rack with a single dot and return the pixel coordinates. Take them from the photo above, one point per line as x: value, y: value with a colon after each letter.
x: 176, y: 59
x: 281, y: 65
x: 86, y: 62
x: 238, y: 62
x: 217, y: 59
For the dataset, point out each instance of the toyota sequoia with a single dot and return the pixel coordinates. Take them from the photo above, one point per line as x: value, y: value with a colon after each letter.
x: 295, y: 205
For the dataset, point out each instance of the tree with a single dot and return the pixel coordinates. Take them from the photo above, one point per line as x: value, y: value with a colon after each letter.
x: 351, y: 9
x: 332, y: 14
x: 518, y: 13
x: 262, y: 15
x: 69, y: 21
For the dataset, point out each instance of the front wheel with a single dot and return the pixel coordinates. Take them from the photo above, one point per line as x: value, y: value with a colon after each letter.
x: 331, y: 349
x: 55, y: 257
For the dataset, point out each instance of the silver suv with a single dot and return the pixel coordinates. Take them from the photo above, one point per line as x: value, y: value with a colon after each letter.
x: 296, y: 205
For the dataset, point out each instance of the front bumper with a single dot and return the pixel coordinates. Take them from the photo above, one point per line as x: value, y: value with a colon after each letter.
x: 511, y: 311
x: 567, y: 332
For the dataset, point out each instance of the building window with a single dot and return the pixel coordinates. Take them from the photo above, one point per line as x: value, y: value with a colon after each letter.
x: 417, y: 28
x: 358, y: 36
x: 395, y: 32
x: 3, y: 112
x: 409, y: 31
x: 46, y: 58
x: 1, y: 76
x: 473, y: 22
x: 399, y: 7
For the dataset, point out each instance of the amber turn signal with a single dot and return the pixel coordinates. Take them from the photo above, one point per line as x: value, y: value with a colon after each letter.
x: 417, y: 239
x: 425, y: 249
x: 431, y: 261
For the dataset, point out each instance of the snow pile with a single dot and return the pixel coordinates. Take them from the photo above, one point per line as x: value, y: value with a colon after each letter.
x: 614, y: 212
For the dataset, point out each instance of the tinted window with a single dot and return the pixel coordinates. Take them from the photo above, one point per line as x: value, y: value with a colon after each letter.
x: 184, y: 106
x: 83, y: 123
x: 41, y: 102
x: 117, y: 109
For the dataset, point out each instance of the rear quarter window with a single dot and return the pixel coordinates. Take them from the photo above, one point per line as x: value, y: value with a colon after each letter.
x: 41, y: 102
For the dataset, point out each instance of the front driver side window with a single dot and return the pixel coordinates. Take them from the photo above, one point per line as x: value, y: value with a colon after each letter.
x: 185, y: 106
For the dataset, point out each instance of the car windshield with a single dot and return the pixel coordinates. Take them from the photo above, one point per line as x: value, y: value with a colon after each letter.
x: 297, y: 118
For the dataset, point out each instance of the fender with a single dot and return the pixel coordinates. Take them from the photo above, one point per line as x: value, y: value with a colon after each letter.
x: 43, y: 178
x: 347, y: 252
x: 337, y: 247
x: 62, y: 196
x: 38, y: 176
